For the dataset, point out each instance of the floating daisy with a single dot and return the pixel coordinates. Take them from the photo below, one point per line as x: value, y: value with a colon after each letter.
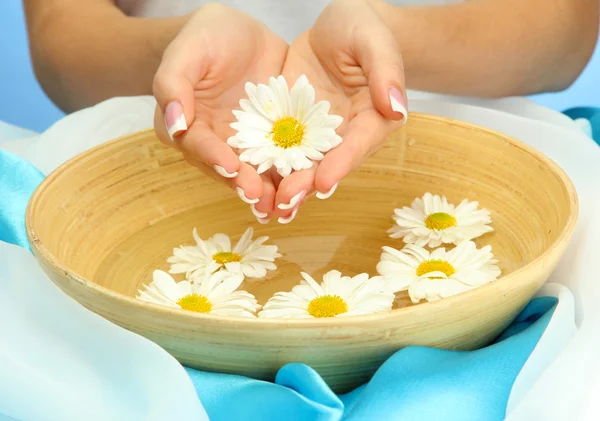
x: 216, y: 294
x: 431, y: 221
x: 336, y: 296
x: 439, y: 274
x: 284, y: 128
x: 249, y: 257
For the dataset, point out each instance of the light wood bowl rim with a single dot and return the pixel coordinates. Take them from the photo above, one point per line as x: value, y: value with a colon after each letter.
x: 43, y: 254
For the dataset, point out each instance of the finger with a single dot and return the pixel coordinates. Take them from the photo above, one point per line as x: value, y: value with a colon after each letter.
x: 209, y: 171
x: 174, y: 81
x: 200, y: 145
x: 263, y: 210
x: 292, y: 192
x: 160, y: 129
x: 378, y: 54
x: 361, y: 139
x: 248, y: 184
x: 203, y: 144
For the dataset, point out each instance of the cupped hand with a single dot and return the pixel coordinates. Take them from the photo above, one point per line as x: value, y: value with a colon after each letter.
x: 353, y: 61
x: 201, y: 80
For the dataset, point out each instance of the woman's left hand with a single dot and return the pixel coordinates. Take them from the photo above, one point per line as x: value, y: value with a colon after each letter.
x: 351, y: 58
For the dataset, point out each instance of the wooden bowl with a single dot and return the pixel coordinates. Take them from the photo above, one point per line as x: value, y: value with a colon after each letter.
x: 103, y: 221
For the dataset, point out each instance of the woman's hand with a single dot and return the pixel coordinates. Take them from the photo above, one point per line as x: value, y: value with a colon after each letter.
x: 201, y: 80
x: 352, y: 59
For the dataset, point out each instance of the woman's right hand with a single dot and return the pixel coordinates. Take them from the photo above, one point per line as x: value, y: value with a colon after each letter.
x: 199, y: 83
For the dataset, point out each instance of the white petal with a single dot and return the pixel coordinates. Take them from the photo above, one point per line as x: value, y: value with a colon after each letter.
x: 311, y: 153
x: 222, y: 242
x: 244, y: 241
x: 227, y: 286
x: 165, y: 284
x: 319, y: 109
x: 266, y: 98
x: 316, y: 120
x: 252, y: 92
x: 312, y: 283
x: 333, y: 121
x: 302, y: 97
x: 266, y: 165
x: 233, y: 267
x: 253, y: 121
x: 184, y: 288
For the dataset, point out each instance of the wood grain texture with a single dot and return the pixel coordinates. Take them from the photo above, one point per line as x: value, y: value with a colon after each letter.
x: 103, y: 221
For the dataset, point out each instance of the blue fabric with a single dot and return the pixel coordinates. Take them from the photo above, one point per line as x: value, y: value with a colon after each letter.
x: 18, y: 180
x: 592, y: 114
x: 416, y: 383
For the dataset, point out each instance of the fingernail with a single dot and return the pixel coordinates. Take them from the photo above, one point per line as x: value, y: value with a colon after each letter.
x: 223, y: 172
x: 242, y: 196
x: 328, y: 194
x: 175, y: 119
x: 293, y: 201
x: 398, y: 103
x: 289, y: 218
x: 264, y: 221
x: 257, y: 213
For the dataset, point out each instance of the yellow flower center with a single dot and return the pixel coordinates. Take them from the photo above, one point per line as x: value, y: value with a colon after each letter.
x: 195, y: 302
x: 429, y: 266
x: 327, y: 306
x: 440, y: 221
x: 223, y: 257
x: 287, y: 132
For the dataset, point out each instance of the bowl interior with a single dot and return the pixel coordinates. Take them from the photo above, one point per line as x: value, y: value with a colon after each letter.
x: 113, y: 214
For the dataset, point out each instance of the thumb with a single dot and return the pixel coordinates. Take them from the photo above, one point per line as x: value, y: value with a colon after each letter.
x: 378, y: 54
x: 179, y: 72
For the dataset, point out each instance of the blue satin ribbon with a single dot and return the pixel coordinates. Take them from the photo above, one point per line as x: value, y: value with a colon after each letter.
x: 18, y: 180
x: 416, y: 383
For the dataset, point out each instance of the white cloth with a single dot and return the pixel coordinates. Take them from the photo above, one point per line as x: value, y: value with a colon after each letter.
x: 61, y: 362
x: 287, y: 18
x: 556, y: 383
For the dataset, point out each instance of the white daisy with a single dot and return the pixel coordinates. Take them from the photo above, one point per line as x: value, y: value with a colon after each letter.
x: 282, y: 128
x: 438, y: 274
x: 431, y: 221
x: 216, y: 294
x: 336, y: 296
x: 251, y: 258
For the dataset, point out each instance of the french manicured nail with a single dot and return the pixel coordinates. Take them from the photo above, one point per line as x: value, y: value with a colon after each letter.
x: 293, y: 201
x: 242, y: 196
x: 257, y: 213
x: 398, y: 103
x: 289, y: 218
x: 223, y: 172
x: 175, y: 119
x: 328, y: 194
x: 263, y: 221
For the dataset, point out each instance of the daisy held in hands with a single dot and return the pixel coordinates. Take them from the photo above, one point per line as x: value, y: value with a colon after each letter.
x: 350, y: 57
x: 284, y: 128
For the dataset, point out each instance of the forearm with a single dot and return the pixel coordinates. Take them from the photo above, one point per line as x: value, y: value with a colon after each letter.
x: 85, y: 52
x: 493, y: 48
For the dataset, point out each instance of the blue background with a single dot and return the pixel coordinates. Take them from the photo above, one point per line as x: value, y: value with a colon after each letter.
x: 23, y: 103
